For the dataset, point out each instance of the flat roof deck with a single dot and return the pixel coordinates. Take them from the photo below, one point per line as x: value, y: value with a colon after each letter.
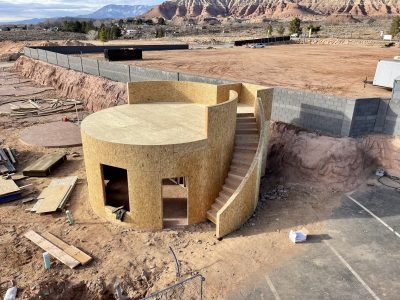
x: 148, y: 124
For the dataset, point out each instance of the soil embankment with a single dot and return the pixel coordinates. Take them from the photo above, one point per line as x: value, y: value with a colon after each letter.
x: 341, y: 163
x: 97, y: 92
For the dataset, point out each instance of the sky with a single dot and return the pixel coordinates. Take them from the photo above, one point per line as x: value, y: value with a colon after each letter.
x: 16, y: 10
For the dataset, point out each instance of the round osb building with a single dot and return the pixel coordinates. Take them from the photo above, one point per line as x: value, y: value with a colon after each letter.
x: 161, y: 159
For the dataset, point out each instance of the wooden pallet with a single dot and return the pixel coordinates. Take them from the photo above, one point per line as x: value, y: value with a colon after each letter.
x: 44, y: 165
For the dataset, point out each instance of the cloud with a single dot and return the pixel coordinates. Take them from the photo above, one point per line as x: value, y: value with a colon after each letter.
x: 23, y: 9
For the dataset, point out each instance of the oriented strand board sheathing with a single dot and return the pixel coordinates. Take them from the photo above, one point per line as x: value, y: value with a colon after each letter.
x: 153, y: 142
x: 44, y: 165
x: 176, y: 129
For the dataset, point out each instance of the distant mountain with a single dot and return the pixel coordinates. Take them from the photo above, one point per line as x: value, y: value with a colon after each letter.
x: 25, y: 22
x: 114, y: 11
x: 278, y: 9
x: 111, y: 11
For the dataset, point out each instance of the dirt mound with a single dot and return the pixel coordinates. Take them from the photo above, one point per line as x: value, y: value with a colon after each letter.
x: 97, y: 92
x: 340, y: 162
x: 65, y: 43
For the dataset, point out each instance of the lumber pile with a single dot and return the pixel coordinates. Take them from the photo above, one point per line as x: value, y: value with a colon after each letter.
x: 44, y: 165
x: 43, y: 107
x: 68, y: 254
x: 8, y: 159
x: 55, y: 196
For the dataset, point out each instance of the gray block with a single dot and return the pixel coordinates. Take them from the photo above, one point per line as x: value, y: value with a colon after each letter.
x: 42, y: 55
x: 90, y: 66
x: 142, y: 74
x: 62, y: 60
x: 204, y: 79
x: 75, y: 63
x: 27, y: 51
x: 52, y: 58
x: 114, y: 71
x: 34, y: 53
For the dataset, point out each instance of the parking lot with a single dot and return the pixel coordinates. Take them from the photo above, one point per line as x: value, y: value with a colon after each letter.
x: 357, y: 256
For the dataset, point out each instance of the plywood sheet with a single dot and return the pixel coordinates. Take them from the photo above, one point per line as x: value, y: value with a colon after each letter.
x: 44, y: 164
x: 51, y: 198
x: 79, y: 255
x: 8, y: 186
x: 52, y: 249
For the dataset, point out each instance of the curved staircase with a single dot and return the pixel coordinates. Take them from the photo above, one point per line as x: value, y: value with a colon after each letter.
x: 246, y: 143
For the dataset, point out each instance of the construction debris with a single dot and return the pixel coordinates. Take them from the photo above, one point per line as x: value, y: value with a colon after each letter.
x: 44, y: 165
x: 9, y: 190
x: 298, y: 236
x: 67, y: 254
x: 42, y: 107
x: 55, y: 196
x: 8, y: 159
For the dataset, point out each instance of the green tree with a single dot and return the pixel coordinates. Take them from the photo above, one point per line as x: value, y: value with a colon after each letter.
x: 161, y: 21
x: 270, y: 29
x: 314, y: 29
x: 280, y: 30
x: 102, y: 34
x: 160, y: 32
x: 295, y: 26
x: 395, y: 26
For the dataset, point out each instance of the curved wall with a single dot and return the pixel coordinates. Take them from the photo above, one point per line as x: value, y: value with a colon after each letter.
x: 243, y: 202
x: 204, y: 163
x: 172, y: 91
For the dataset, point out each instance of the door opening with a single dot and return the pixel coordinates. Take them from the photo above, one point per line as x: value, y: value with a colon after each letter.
x: 175, y: 198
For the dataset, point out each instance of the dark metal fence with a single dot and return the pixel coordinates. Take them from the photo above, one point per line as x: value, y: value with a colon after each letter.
x: 275, y: 39
x: 188, y: 289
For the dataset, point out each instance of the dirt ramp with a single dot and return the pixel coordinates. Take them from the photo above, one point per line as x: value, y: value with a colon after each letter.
x: 97, y: 92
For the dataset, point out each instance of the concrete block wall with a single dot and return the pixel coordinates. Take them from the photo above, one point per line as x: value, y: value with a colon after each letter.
x: 333, y: 115
x: 63, y: 60
x: 113, y: 71
x: 143, y: 74
x: 323, y: 113
x: 75, y: 63
x: 90, y: 66
x: 365, y: 116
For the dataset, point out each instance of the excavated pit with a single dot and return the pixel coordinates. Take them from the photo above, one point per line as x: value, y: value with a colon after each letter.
x: 296, y: 154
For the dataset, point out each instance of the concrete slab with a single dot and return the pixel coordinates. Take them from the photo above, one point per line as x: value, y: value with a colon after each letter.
x: 357, y: 257
x: 52, y: 135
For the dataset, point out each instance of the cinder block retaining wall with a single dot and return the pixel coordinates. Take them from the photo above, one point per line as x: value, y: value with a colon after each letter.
x: 328, y: 114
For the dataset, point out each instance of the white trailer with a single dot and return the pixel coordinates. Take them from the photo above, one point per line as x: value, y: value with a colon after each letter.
x: 386, y: 72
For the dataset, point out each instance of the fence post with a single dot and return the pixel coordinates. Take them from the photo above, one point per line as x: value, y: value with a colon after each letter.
x: 57, y: 58
x: 98, y: 67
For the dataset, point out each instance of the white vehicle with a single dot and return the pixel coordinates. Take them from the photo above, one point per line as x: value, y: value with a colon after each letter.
x: 258, y: 45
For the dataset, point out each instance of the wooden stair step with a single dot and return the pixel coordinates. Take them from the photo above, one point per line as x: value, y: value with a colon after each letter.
x: 232, y: 183
x: 212, y: 215
x: 246, y: 157
x: 245, y: 115
x: 244, y: 149
x: 246, y: 131
x: 238, y: 171
x: 246, y: 120
x: 240, y: 164
x: 235, y: 176
x: 227, y: 190
x: 246, y: 125
x: 223, y: 196
x: 217, y: 206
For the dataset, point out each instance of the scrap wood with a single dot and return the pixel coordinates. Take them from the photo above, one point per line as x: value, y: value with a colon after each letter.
x: 8, y: 186
x: 55, y: 196
x: 52, y: 249
x: 43, y: 166
x: 71, y: 250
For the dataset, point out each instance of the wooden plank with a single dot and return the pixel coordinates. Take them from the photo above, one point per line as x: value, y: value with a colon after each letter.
x: 70, y: 181
x: 52, y: 249
x: 51, y: 197
x: 42, y: 166
x: 71, y: 250
x: 8, y: 186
